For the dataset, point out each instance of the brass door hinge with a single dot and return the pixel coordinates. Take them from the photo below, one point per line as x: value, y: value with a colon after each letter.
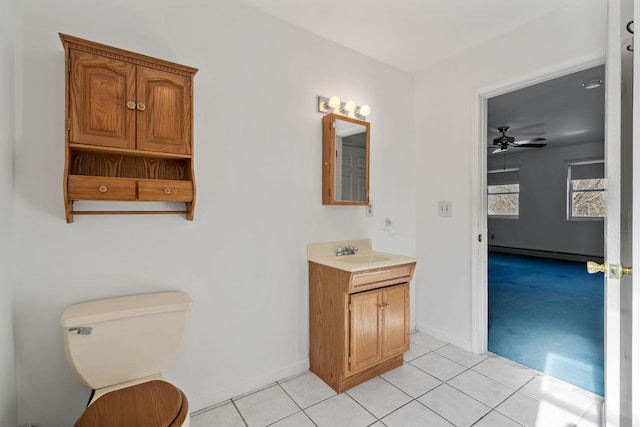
x: 68, y: 123
x: 68, y: 65
x: 349, y: 306
x: 349, y: 358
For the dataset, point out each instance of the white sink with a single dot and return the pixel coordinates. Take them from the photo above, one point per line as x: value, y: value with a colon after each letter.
x: 362, y: 258
x: 365, y: 259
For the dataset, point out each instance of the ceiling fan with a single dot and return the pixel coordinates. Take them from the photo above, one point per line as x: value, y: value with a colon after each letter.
x: 503, y: 142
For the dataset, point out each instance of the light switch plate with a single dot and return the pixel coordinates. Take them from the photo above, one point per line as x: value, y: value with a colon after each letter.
x: 445, y: 208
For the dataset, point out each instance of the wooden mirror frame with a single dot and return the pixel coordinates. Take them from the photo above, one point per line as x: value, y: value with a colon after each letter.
x: 329, y: 163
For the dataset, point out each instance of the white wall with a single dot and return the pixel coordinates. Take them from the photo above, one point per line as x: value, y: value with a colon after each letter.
x: 258, y: 171
x: 446, y: 98
x: 542, y: 224
x: 8, y: 407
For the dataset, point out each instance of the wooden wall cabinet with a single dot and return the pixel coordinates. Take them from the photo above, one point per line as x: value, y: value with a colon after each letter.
x: 358, y: 321
x: 129, y: 128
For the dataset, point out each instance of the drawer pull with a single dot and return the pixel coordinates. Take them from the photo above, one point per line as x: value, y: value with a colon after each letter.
x: 167, y: 190
x: 103, y: 188
x: 131, y: 105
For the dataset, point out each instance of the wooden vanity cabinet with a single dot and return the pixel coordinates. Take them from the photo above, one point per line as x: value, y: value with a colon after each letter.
x: 358, y: 321
x: 129, y: 128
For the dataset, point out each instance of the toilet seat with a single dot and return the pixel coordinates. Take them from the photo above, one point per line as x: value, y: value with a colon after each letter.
x: 151, y: 404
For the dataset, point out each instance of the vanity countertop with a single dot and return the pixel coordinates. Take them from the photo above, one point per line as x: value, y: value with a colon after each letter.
x: 364, y: 259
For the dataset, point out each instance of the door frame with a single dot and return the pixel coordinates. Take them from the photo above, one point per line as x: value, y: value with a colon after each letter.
x: 479, y: 255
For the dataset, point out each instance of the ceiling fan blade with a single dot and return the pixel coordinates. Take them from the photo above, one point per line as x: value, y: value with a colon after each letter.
x: 529, y: 142
x: 499, y: 150
x: 531, y: 145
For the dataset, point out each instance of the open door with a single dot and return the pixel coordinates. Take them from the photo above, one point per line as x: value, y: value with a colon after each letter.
x: 619, y: 165
x: 635, y: 241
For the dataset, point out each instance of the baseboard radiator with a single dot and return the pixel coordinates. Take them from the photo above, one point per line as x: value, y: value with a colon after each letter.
x: 565, y: 256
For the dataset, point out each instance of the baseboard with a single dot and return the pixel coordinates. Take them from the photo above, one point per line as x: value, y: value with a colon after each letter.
x: 436, y: 333
x: 564, y: 256
x: 198, y: 403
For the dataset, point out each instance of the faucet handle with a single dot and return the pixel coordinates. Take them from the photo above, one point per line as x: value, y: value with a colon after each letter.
x: 339, y: 250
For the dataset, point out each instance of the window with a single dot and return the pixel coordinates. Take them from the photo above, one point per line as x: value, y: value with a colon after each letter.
x: 503, y: 193
x: 586, y: 190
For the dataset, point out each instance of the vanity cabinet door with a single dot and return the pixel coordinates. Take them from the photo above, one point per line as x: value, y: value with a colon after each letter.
x: 366, y: 330
x: 395, y: 320
x: 379, y: 325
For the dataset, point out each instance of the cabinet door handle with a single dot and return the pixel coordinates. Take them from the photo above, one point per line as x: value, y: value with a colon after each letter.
x: 141, y: 106
x: 103, y: 188
x: 131, y: 105
x: 167, y: 190
x: 387, y: 306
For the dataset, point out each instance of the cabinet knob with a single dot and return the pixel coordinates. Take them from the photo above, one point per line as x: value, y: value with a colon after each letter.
x: 167, y: 190
x: 387, y: 306
x: 131, y: 105
x: 381, y: 306
x: 103, y: 189
x: 141, y: 106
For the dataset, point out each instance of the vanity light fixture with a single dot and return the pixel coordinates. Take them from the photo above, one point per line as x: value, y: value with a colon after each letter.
x: 592, y: 84
x: 348, y: 108
x: 363, y: 111
x: 336, y: 106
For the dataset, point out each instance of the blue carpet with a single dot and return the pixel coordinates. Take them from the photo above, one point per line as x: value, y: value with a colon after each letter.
x: 548, y: 315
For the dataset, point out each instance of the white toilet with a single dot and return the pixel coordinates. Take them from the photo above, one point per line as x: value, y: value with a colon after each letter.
x: 119, y: 347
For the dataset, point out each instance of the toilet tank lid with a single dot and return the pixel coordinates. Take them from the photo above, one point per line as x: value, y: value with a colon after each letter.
x: 104, y: 310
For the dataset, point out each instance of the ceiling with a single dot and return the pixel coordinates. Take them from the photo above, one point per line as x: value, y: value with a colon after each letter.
x: 408, y: 34
x: 560, y: 110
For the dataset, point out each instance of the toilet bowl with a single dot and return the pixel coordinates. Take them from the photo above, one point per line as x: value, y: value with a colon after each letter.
x: 119, y: 347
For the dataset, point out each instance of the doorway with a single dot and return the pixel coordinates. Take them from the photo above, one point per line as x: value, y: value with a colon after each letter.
x: 545, y: 206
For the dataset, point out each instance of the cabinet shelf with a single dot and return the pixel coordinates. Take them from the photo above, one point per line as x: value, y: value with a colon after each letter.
x: 128, y: 152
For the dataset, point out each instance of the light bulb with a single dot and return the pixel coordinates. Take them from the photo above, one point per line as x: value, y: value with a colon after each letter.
x: 350, y: 106
x: 365, y: 110
x: 334, y: 102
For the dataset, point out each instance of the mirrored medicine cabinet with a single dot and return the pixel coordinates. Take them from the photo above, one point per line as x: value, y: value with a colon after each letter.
x: 345, y: 161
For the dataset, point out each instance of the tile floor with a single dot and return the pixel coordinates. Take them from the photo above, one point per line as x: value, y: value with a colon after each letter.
x: 438, y: 385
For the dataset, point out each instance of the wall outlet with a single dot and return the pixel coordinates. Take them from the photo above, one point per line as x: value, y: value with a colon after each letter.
x: 445, y: 208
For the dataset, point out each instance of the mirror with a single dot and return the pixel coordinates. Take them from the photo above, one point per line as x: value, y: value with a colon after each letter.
x: 345, y: 161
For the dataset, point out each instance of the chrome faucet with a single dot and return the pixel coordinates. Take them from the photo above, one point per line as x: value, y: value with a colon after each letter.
x: 347, y: 250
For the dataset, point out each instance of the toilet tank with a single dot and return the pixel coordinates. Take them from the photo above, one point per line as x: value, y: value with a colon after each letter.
x: 116, y: 340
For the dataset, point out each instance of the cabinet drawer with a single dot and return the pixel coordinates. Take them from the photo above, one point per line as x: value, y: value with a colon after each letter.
x: 379, y: 277
x: 100, y: 188
x: 165, y: 190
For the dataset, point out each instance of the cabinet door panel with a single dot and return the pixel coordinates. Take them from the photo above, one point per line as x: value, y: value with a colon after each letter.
x: 395, y: 299
x: 100, y: 89
x: 164, y: 111
x: 366, y: 324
